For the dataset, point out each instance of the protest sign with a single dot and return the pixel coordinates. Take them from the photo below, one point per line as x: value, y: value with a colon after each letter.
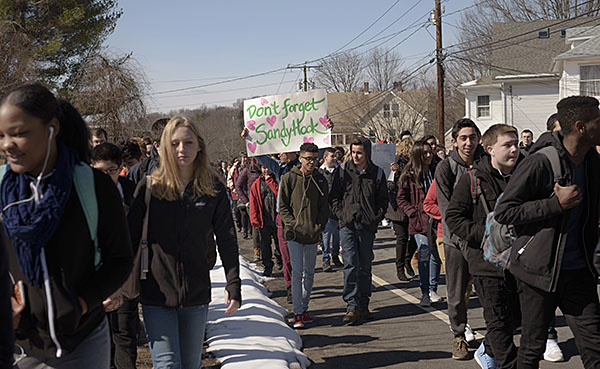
x: 281, y: 123
x: 383, y: 155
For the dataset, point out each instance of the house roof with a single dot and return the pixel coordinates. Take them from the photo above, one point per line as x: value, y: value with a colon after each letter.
x: 517, y: 50
x: 348, y: 108
x: 588, y: 48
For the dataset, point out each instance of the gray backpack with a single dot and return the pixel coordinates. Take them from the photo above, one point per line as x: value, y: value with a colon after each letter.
x: 499, y: 238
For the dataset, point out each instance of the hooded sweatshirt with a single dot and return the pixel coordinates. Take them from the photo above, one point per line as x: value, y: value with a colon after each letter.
x: 467, y: 220
x: 358, y: 197
x: 304, y: 209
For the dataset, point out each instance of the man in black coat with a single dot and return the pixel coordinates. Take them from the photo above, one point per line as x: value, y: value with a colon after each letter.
x: 557, y: 227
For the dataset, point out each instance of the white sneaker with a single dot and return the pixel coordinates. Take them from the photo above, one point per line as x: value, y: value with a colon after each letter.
x: 469, y: 334
x: 434, y: 297
x: 385, y: 223
x: 553, y: 352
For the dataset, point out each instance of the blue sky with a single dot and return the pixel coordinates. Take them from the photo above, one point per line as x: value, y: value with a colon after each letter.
x: 184, y: 44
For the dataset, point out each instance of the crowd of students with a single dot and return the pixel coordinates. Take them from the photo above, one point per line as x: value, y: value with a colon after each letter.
x: 78, y: 245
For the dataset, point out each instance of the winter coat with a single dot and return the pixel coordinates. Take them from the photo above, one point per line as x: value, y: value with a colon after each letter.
x: 70, y: 257
x: 410, y: 200
x: 394, y: 213
x: 128, y: 189
x: 358, y: 197
x: 243, y: 182
x: 179, y: 239
x: 144, y: 167
x: 304, y: 208
x: 262, y: 193
x: 231, y: 178
x: 446, y: 179
x: 329, y: 176
x: 467, y: 220
x: 431, y: 208
x: 7, y: 335
x: 540, y: 222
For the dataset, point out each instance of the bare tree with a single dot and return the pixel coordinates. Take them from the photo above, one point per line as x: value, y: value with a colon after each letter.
x: 341, y: 72
x: 476, y: 27
x: 109, y: 92
x: 384, y: 68
x: 17, y: 62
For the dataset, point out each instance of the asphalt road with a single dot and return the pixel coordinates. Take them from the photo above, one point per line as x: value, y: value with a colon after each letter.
x: 402, y: 334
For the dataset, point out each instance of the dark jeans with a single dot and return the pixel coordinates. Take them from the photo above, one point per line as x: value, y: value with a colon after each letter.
x: 577, y: 298
x: 124, y: 329
x: 265, y: 245
x: 405, y: 246
x: 237, y: 215
x: 357, y: 247
x: 457, y: 281
x: 246, y: 226
x: 502, y: 316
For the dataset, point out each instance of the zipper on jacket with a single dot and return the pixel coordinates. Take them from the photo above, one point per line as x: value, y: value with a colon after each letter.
x: 522, y: 249
x: 587, y: 194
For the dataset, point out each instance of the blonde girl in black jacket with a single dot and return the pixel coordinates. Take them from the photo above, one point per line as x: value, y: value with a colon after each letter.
x: 188, y: 202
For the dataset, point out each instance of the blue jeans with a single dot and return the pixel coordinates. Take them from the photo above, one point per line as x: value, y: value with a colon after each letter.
x: 93, y: 352
x: 175, y: 335
x: 303, y: 259
x: 331, y: 240
x: 429, y: 264
x: 357, y: 248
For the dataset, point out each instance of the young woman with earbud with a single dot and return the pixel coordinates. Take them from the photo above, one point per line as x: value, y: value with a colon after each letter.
x: 58, y: 314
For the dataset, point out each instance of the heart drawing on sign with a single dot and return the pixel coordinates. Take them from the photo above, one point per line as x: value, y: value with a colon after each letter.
x: 307, y: 140
x: 252, y: 147
x: 250, y: 124
x: 263, y: 101
x: 324, y: 120
x: 326, y: 140
x: 271, y: 120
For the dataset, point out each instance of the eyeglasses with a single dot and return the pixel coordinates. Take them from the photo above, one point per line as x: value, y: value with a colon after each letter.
x: 310, y: 159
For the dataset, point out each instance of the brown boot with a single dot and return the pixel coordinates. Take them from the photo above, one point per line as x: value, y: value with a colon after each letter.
x: 256, y: 255
x: 351, y: 317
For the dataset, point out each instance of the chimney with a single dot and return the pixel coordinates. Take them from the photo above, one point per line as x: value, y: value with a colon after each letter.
x: 366, y: 88
x: 398, y: 86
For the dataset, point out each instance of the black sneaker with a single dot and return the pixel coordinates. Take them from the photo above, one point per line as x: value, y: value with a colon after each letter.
x: 410, y: 273
x: 327, y: 267
x: 336, y: 261
x: 401, y: 276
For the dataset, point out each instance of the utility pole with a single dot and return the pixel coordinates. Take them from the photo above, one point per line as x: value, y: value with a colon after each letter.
x: 440, y: 70
x: 306, y: 68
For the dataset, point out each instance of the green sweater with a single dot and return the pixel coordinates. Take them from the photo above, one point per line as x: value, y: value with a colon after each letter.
x: 304, y: 209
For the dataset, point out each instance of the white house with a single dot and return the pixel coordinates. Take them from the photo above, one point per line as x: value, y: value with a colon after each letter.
x: 527, y: 77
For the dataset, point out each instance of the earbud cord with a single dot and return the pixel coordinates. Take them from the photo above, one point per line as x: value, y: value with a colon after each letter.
x: 35, y: 188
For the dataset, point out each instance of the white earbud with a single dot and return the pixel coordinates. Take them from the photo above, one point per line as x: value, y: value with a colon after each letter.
x: 51, y: 132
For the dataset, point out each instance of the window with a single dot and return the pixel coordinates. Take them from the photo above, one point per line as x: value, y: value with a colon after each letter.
x: 483, y: 106
x: 386, y: 110
x: 589, y: 83
x: 395, y: 110
x: 563, y: 32
x: 544, y: 33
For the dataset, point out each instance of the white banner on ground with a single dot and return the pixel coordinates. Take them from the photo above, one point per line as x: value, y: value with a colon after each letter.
x: 383, y: 155
x: 281, y: 123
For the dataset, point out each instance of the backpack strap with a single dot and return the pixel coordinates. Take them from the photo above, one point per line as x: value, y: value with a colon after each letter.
x: 552, y: 154
x: 476, y: 190
x: 83, y: 177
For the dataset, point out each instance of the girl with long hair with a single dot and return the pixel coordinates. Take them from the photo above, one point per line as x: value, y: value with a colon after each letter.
x: 66, y: 269
x: 414, y: 182
x: 188, y: 201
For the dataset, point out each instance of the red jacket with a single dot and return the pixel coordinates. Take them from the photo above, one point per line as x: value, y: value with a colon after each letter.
x: 256, y: 203
x: 432, y: 208
x: 410, y: 200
